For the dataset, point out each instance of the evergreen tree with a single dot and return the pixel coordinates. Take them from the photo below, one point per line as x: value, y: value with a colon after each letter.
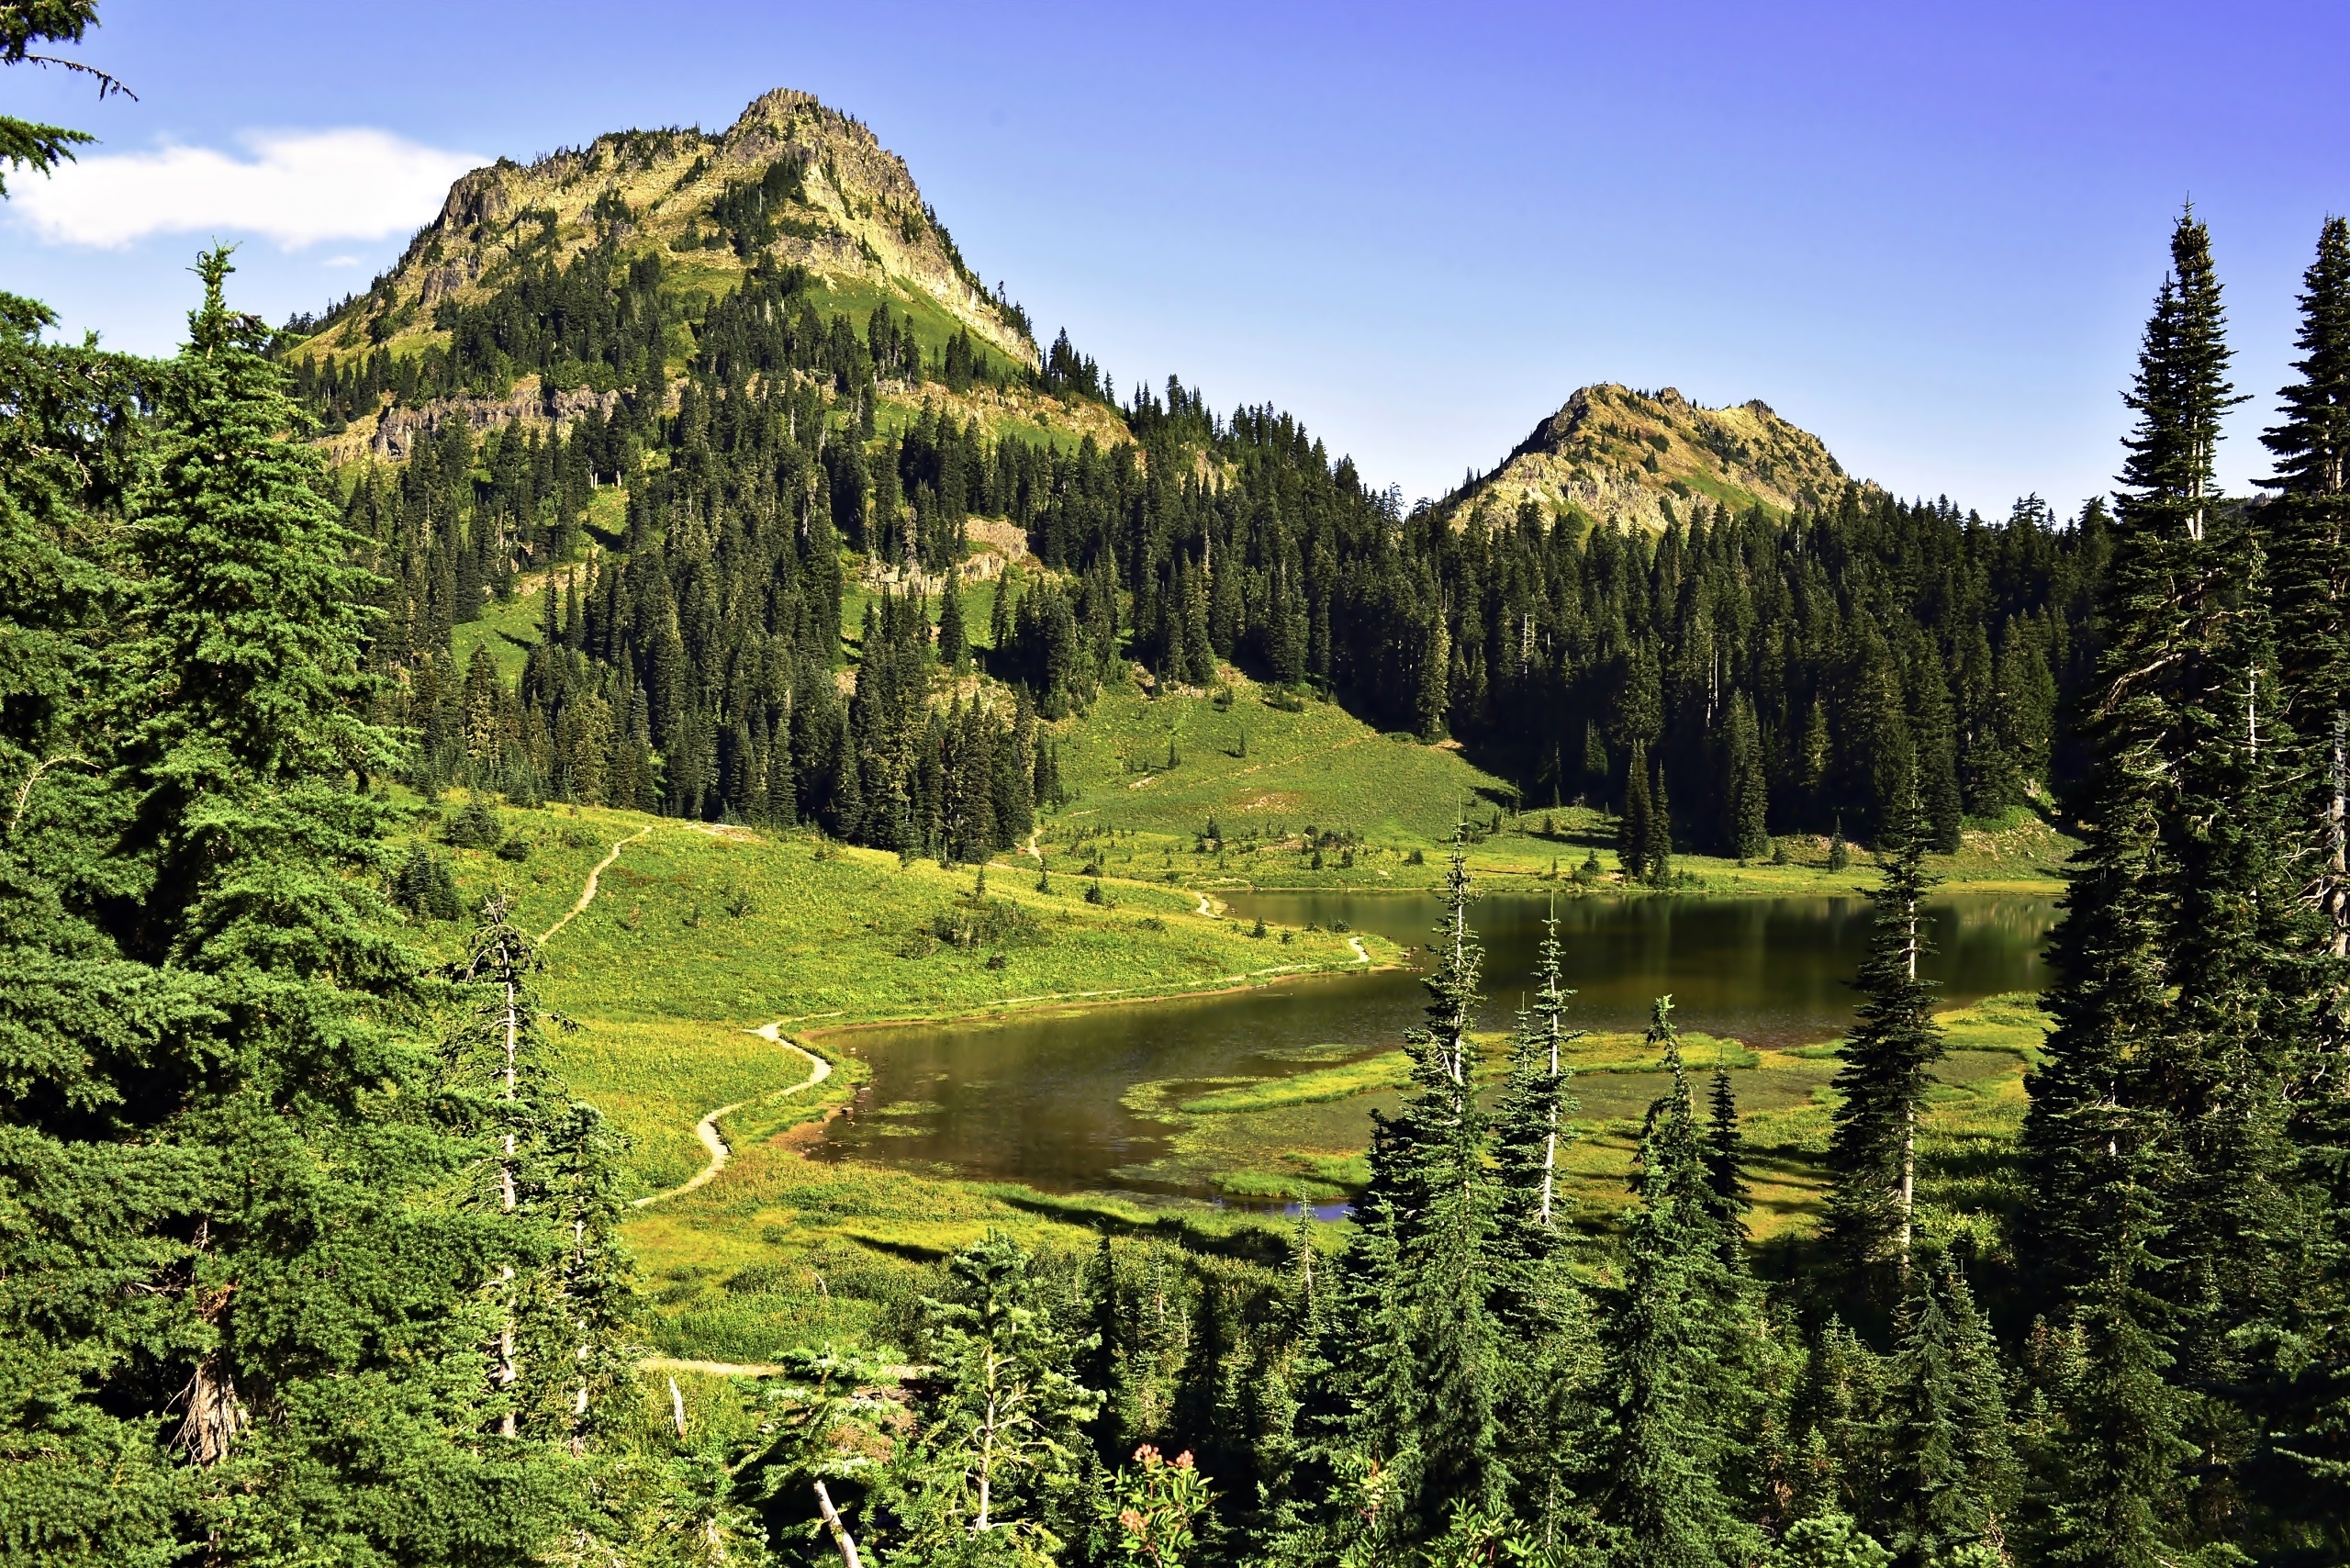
x: 1661, y: 1492
x: 1746, y: 790
x: 1634, y: 832
x: 1950, y: 1475
x: 2303, y: 1403
x: 98, y: 1203
x: 1656, y: 853
x: 2115, y: 1499
x: 998, y: 1418
x: 954, y: 649
x: 558, y: 1292
x: 1532, y: 1134
x: 1724, y: 1157
x: 2113, y: 1043
x: 2307, y: 538
x: 1432, y: 1160
x: 1887, y: 1068
x: 287, y: 1280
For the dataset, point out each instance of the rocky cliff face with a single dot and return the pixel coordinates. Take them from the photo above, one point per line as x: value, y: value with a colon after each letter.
x: 1613, y: 454
x: 858, y: 218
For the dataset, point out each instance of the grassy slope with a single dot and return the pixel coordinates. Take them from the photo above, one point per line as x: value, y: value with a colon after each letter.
x: 1320, y: 767
x: 702, y: 934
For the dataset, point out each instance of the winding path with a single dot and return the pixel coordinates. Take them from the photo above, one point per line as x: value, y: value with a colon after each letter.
x: 707, y: 1128
x: 1360, y: 951
x: 587, y: 893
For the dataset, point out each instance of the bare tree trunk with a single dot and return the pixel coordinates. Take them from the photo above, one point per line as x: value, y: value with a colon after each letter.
x: 508, y: 1371
x: 1909, y: 1123
x: 1908, y: 1180
x: 1551, y: 1140
x: 841, y: 1537
x: 215, y: 1415
x: 2337, y: 897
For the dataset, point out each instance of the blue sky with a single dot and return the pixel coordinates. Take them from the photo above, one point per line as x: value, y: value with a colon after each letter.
x: 1928, y: 233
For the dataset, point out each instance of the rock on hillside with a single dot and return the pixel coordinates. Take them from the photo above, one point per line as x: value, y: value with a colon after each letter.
x: 1613, y: 454
x: 857, y: 217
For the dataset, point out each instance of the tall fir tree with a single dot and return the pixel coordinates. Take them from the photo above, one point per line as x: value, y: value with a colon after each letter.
x: 1887, y: 1066
x: 1668, y: 1448
x: 545, y: 1189
x: 300, y: 1285
x: 99, y: 1206
x: 2303, y: 1392
x: 2115, y: 1041
x: 1949, y: 1474
x: 953, y: 644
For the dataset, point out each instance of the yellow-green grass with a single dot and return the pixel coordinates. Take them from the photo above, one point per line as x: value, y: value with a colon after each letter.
x: 509, y: 629
x: 731, y: 925
x: 1317, y: 765
x: 700, y: 934
x: 1307, y: 1135
x: 1263, y: 774
x: 656, y: 1078
x: 786, y: 1251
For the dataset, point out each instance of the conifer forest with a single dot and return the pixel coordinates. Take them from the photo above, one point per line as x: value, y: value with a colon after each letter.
x: 317, y: 1248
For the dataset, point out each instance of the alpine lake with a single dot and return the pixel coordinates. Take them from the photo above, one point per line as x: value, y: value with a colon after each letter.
x: 1262, y: 1096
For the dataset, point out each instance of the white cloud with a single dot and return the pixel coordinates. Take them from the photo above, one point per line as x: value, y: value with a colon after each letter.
x: 294, y: 187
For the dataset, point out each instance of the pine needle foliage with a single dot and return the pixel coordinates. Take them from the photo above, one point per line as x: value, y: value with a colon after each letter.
x: 1887, y: 1068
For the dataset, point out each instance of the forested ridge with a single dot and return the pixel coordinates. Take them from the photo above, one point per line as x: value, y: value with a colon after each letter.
x: 1767, y: 674
x: 307, y: 1254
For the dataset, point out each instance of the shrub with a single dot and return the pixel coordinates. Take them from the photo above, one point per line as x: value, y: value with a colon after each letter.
x: 424, y: 887
x: 975, y: 921
x: 474, y: 827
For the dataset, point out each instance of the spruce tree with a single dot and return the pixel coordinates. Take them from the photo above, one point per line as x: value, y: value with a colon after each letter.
x: 1667, y: 1450
x: 1949, y: 1476
x: 1725, y: 1158
x: 1433, y: 1161
x: 549, y: 1174
x: 1532, y: 1131
x: 997, y: 1415
x: 99, y: 1204
x: 954, y: 646
x: 2307, y: 537
x: 308, y: 1287
x: 2115, y: 1499
x: 2304, y: 1407
x: 1656, y: 853
x: 1888, y: 1067
x: 2115, y: 1040
x: 1634, y: 834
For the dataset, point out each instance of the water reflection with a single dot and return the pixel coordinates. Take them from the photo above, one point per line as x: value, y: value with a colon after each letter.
x: 1037, y: 1099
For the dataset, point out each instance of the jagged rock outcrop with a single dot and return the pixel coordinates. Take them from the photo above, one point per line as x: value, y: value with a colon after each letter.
x: 393, y: 434
x: 859, y: 217
x: 1614, y: 455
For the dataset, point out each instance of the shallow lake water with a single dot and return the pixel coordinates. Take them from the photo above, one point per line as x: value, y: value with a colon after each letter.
x: 1037, y: 1099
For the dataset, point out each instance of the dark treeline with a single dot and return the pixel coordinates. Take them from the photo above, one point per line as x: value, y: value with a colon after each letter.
x: 1808, y: 665
x: 1754, y: 675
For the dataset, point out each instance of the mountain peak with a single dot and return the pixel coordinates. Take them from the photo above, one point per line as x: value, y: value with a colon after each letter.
x: 1611, y: 453
x: 790, y: 183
